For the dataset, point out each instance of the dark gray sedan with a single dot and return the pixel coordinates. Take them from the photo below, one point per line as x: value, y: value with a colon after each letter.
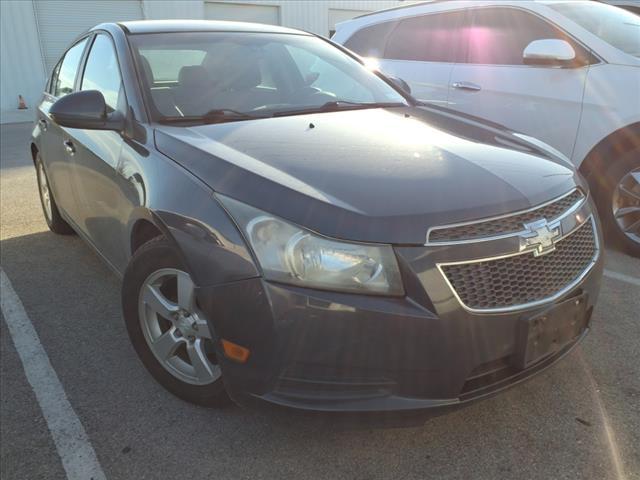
x: 293, y: 228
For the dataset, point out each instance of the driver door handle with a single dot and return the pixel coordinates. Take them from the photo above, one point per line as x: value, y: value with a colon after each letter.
x: 69, y: 147
x: 473, y: 87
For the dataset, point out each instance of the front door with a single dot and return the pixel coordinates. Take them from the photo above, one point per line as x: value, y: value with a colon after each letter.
x: 494, y: 83
x: 97, y: 158
x: 422, y: 51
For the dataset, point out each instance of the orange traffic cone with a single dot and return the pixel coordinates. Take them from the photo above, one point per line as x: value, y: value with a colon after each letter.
x: 22, y: 105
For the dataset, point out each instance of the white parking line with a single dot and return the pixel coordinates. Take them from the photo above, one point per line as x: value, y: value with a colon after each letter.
x: 622, y: 277
x: 78, y: 457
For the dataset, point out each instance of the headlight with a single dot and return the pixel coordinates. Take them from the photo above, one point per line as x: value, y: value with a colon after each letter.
x: 290, y: 254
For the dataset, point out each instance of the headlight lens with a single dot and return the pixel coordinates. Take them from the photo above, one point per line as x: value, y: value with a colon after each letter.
x: 291, y: 254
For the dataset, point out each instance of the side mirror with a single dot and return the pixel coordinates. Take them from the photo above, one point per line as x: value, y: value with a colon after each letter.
x: 400, y: 83
x: 549, y: 52
x: 86, y: 110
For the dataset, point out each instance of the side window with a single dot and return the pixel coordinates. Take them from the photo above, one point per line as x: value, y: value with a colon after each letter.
x: 101, y: 71
x: 54, y: 78
x: 370, y: 41
x: 500, y: 35
x: 428, y: 38
x: 66, y: 75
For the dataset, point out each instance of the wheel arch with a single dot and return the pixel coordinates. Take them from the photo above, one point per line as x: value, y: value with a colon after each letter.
x: 34, y: 151
x: 613, y: 146
x: 209, y: 244
x: 142, y: 231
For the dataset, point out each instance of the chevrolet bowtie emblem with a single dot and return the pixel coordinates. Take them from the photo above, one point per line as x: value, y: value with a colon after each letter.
x: 540, y: 237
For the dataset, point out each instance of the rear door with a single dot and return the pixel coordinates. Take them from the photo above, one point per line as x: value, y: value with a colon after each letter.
x: 494, y: 83
x: 422, y: 51
x: 53, y: 151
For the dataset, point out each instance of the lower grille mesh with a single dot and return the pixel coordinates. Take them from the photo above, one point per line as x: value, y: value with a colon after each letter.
x: 521, y: 279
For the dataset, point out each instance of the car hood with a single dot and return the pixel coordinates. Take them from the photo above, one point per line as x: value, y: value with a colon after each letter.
x: 377, y: 175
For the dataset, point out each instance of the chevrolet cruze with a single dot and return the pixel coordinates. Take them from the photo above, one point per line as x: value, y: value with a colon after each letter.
x: 294, y: 229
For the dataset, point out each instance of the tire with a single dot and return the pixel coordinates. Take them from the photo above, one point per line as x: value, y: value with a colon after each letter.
x: 174, y: 344
x: 52, y: 216
x: 621, y: 190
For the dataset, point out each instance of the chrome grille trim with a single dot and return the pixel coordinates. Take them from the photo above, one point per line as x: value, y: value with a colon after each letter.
x: 536, y: 303
x: 508, y: 234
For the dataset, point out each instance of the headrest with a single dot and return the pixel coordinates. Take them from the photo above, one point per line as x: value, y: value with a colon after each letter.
x: 244, y: 75
x: 146, y: 69
x: 194, y: 76
x: 234, y: 66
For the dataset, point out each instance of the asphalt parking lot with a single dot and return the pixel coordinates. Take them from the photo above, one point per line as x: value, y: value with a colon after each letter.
x: 580, y: 419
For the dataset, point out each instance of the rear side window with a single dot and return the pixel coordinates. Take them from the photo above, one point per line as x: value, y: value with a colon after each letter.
x: 64, y: 79
x: 101, y: 71
x: 499, y: 36
x: 428, y: 38
x: 370, y: 41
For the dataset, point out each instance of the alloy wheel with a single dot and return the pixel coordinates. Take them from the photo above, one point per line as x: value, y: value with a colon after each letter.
x: 626, y: 205
x: 175, y: 329
x: 45, y: 194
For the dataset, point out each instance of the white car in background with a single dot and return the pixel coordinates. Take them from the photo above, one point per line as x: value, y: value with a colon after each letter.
x: 631, y: 5
x: 564, y: 72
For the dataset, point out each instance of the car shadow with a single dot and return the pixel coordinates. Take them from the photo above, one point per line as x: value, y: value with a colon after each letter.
x: 73, y: 300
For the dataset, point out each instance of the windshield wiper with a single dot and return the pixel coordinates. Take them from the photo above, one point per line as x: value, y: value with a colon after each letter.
x: 337, y: 105
x: 217, y: 115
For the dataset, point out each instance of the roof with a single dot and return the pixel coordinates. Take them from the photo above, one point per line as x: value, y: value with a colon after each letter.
x: 161, y: 26
x: 399, y: 7
x: 459, y: 3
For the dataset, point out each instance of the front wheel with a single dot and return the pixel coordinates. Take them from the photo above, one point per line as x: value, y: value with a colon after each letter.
x: 619, y: 202
x: 167, y: 328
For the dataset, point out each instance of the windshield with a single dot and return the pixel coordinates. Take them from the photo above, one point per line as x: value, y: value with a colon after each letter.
x: 618, y: 27
x: 244, y: 75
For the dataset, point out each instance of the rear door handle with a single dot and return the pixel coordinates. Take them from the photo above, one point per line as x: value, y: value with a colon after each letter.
x: 474, y: 87
x: 69, y: 147
x: 43, y: 124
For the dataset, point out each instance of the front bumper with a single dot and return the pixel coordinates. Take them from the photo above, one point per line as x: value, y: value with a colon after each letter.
x: 325, y: 351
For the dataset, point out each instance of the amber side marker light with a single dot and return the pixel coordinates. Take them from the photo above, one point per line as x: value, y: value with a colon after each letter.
x: 235, y: 352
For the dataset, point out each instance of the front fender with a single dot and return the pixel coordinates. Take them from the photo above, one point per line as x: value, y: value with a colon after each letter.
x: 186, y: 212
x: 210, y: 245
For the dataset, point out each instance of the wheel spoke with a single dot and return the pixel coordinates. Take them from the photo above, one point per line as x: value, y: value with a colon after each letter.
x: 633, y: 228
x: 158, y: 302
x: 628, y: 193
x: 623, y: 212
x: 186, y: 292
x: 166, y: 344
x: 202, y: 327
x: 203, y: 370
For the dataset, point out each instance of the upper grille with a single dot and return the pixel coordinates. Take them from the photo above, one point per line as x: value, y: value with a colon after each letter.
x: 521, y: 279
x: 502, y: 226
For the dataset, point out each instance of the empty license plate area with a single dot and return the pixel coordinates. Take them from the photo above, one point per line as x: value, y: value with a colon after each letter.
x: 546, y: 333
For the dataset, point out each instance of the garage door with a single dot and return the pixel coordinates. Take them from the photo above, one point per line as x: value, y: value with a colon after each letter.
x: 242, y: 12
x: 337, y: 15
x: 59, y: 22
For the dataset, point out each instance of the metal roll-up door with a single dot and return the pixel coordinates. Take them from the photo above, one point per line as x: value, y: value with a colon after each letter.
x: 242, y: 12
x: 60, y: 21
